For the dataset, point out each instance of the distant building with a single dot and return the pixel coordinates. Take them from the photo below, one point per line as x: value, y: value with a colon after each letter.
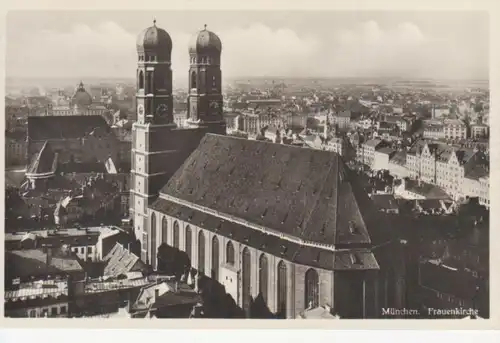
x: 433, y: 130
x: 248, y: 123
x: 454, y: 129
x: 342, y: 119
x: 15, y: 148
x: 479, y: 131
x: 366, y: 151
x: 82, y: 103
x: 381, y: 158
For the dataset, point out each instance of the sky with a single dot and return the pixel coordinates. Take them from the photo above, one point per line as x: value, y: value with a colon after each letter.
x: 80, y: 44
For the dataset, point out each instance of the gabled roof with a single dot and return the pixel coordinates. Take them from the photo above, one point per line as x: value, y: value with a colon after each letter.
x: 64, y: 127
x: 304, y: 193
x: 121, y: 261
x: 43, y: 162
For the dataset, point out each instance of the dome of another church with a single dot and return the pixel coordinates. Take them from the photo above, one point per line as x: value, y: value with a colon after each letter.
x: 81, y: 98
x: 205, y: 42
x: 154, y: 38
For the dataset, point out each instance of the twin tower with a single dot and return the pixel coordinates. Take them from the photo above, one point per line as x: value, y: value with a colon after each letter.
x: 159, y: 147
x: 154, y: 77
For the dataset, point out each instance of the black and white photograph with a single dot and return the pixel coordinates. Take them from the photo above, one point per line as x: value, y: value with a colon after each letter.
x: 264, y: 164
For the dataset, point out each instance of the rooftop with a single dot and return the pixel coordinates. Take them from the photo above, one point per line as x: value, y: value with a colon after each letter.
x: 27, y: 263
x: 306, y: 255
x: 38, y: 289
x: 304, y: 193
x: 64, y: 127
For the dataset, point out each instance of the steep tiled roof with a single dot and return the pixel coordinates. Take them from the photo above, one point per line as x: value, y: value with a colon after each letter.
x: 25, y: 263
x: 304, y: 193
x: 61, y: 127
x: 120, y: 261
x: 43, y: 162
x: 287, y: 250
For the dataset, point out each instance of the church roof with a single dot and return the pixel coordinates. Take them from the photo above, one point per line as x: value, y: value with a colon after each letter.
x: 352, y: 259
x: 43, y: 162
x: 302, y: 193
x: 64, y: 127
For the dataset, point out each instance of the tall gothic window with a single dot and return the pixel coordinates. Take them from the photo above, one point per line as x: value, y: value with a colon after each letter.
x: 164, y: 230
x: 141, y: 80
x: 189, y: 248
x: 282, y: 289
x: 176, y: 235
x: 246, y: 278
x: 153, y: 240
x: 215, y: 258
x: 201, y: 252
x: 193, y: 79
x: 230, y: 253
x: 312, y: 288
x: 263, y: 276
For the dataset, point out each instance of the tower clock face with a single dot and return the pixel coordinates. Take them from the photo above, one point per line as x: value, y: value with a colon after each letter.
x: 162, y: 109
x: 140, y: 110
x: 215, y: 107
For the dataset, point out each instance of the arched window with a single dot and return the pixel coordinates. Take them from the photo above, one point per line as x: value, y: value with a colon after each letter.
x: 282, y: 289
x: 312, y: 288
x: 215, y: 258
x: 230, y: 253
x: 201, y: 252
x: 141, y: 80
x: 153, y: 248
x: 246, y: 278
x: 193, y: 79
x: 189, y: 248
x: 176, y: 235
x: 164, y: 230
x: 263, y: 276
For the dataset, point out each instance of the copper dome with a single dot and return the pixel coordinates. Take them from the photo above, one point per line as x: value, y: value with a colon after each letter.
x: 81, y: 98
x: 205, y: 42
x: 154, y: 38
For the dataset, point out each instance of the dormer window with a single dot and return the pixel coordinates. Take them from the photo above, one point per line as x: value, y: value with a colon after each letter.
x: 355, y: 259
x: 283, y: 250
x: 352, y: 228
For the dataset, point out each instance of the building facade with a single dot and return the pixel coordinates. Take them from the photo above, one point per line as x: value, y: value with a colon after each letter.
x: 158, y: 145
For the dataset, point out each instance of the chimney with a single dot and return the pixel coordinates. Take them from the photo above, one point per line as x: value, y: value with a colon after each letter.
x: 157, y: 294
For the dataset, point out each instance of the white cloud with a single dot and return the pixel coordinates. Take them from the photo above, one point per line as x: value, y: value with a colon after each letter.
x: 108, y: 50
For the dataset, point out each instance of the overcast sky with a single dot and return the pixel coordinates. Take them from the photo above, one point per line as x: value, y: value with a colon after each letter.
x: 289, y: 44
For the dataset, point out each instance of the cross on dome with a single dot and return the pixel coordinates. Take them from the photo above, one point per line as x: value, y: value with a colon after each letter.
x: 205, y: 27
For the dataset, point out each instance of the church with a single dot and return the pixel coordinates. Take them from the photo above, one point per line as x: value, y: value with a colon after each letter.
x: 287, y: 224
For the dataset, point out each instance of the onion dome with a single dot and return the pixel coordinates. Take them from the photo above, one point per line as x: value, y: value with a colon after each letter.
x: 154, y: 39
x: 205, y: 42
x: 81, y: 98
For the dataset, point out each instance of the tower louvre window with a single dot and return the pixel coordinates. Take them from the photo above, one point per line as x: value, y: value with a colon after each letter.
x: 141, y: 80
x: 193, y: 80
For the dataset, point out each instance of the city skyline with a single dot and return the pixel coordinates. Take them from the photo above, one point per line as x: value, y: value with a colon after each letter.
x: 448, y: 45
